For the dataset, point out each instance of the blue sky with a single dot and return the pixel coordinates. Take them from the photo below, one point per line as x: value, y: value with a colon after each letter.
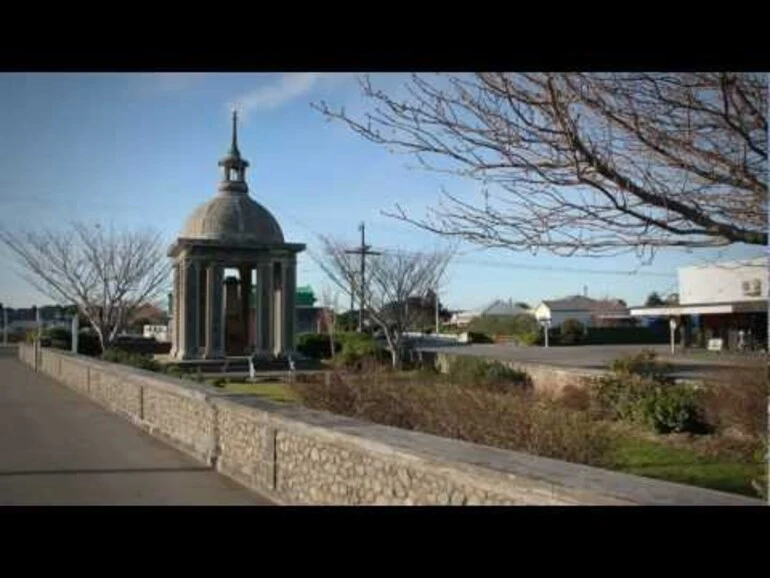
x: 142, y: 149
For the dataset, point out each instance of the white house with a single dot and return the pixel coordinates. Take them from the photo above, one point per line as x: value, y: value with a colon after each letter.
x: 159, y: 332
x: 589, y: 312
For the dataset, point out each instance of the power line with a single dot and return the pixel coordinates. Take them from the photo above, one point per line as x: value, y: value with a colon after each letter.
x: 522, y: 266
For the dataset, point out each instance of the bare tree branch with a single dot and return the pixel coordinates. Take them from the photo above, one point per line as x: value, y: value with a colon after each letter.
x: 591, y: 164
x: 394, y: 278
x: 106, y: 274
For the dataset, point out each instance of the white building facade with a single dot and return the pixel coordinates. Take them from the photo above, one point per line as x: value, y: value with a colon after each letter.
x: 724, y: 304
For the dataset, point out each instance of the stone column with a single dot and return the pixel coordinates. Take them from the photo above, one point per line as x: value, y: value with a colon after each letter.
x: 245, y: 274
x: 175, y: 286
x: 289, y: 309
x: 264, y: 309
x: 189, y: 300
x: 278, y: 309
x: 214, y: 325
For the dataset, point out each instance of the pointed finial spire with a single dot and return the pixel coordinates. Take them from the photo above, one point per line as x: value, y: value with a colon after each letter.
x: 234, y: 146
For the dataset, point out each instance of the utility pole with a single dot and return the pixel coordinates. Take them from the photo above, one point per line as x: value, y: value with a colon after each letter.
x: 436, y: 300
x: 364, y: 250
x: 5, y: 324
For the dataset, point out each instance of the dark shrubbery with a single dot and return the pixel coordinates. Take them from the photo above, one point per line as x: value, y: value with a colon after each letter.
x: 491, y: 375
x: 317, y: 345
x: 356, y: 350
x: 626, y: 335
x: 60, y: 338
x: 141, y: 345
x: 523, y: 328
x: 138, y: 360
x: 510, y: 421
x: 476, y: 337
x: 571, y: 332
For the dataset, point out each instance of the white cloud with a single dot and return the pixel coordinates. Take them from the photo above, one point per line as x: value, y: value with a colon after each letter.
x: 152, y: 83
x: 285, y: 88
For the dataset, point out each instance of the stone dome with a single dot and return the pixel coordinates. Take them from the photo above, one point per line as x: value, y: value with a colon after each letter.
x: 233, y: 218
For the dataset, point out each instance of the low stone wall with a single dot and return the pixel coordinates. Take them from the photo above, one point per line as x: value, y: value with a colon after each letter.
x: 546, y: 379
x: 294, y: 455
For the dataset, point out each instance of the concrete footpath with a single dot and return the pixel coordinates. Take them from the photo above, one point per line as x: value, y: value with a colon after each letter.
x: 59, y: 448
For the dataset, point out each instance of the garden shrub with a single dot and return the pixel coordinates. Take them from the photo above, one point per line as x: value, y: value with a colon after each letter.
x: 138, y: 360
x: 644, y: 364
x: 571, y: 331
x: 492, y: 375
x: 317, y: 345
x: 639, y: 390
x: 355, y: 349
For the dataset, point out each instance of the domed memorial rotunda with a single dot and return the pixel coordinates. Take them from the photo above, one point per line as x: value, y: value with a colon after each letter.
x: 211, y: 317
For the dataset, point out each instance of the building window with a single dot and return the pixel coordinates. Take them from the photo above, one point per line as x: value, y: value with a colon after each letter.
x: 752, y: 288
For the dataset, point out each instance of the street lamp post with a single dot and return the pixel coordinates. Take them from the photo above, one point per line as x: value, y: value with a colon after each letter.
x: 546, y: 323
x: 672, y: 323
x: 75, y: 332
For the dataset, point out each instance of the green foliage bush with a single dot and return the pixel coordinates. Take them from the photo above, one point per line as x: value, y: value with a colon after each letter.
x: 640, y: 390
x: 523, y: 328
x: 571, y: 332
x: 663, y: 407
x: 491, y: 375
x: 527, y: 338
x: 140, y: 361
x: 644, y: 364
x: 355, y: 349
x: 317, y: 345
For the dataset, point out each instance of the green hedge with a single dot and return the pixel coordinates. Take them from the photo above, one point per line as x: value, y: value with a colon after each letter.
x: 60, y: 338
x: 626, y: 335
x: 610, y: 336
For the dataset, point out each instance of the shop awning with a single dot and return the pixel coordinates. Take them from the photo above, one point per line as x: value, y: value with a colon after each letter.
x: 756, y: 306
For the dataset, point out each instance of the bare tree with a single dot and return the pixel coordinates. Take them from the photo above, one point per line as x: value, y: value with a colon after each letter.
x: 587, y: 164
x: 330, y: 304
x: 104, y: 273
x: 393, y: 278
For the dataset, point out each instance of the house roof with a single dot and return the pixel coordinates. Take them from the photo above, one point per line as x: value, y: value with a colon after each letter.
x: 500, y: 307
x: 581, y: 303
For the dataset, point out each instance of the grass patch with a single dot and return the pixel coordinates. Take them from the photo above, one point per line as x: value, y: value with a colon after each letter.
x: 663, y: 461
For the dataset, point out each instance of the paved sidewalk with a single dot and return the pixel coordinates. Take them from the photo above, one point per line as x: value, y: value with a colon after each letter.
x: 59, y: 448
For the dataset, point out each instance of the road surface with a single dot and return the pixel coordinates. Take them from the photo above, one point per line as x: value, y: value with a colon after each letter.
x: 587, y: 356
x: 59, y: 448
